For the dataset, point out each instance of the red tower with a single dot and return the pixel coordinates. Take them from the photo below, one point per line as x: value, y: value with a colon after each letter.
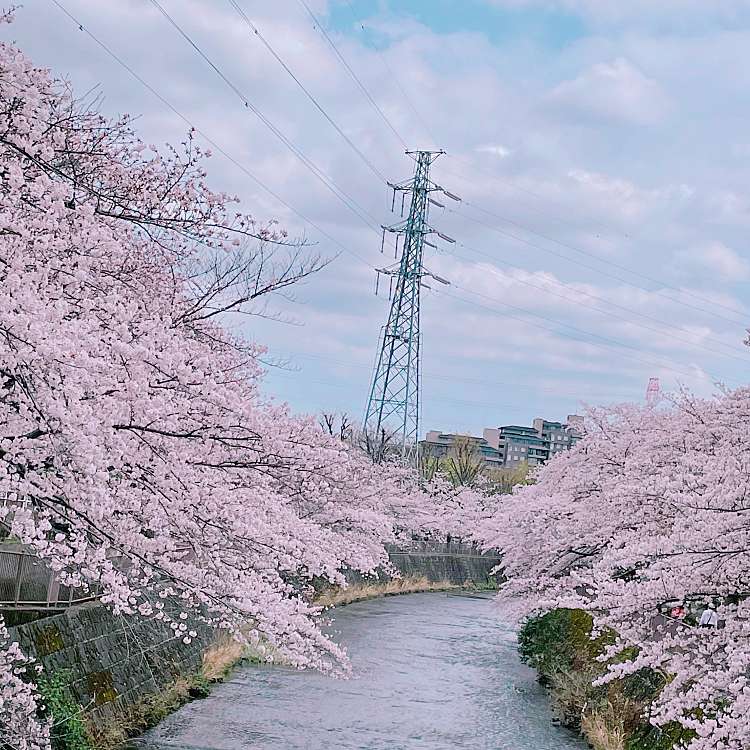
x: 653, y: 391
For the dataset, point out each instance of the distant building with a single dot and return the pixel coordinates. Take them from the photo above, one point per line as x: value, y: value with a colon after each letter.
x: 511, y: 445
x: 439, y: 444
x: 559, y: 436
x: 517, y: 444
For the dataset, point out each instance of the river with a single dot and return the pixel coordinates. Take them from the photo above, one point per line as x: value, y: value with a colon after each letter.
x: 431, y: 672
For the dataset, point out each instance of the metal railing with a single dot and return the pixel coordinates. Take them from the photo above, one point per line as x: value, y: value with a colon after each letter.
x: 27, y: 583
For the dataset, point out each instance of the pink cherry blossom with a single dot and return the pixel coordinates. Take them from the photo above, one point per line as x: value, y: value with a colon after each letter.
x: 20, y: 727
x: 138, y: 455
x: 649, y: 511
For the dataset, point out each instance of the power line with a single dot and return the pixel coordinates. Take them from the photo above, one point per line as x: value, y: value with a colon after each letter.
x: 241, y: 95
x: 601, y: 272
x: 605, y: 262
x: 443, y: 399
x: 261, y: 184
x: 346, y: 199
x: 352, y: 74
x: 254, y: 30
x: 646, y: 277
x: 477, y: 207
x: 607, y: 312
x: 515, y: 186
x: 206, y: 137
x: 613, y: 344
x: 434, y: 376
x: 394, y: 77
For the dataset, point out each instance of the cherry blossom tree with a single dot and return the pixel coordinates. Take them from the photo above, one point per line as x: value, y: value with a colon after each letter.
x: 137, y: 451
x: 20, y: 727
x: 649, y: 511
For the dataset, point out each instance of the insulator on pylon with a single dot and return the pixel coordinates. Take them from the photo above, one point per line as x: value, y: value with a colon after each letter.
x: 395, y: 249
x: 430, y: 244
x: 435, y: 203
x: 377, y: 282
x: 445, y: 237
x: 382, y: 242
x: 403, y: 198
x: 451, y: 196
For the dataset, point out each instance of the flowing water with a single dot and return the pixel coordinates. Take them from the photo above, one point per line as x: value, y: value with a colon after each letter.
x: 431, y: 672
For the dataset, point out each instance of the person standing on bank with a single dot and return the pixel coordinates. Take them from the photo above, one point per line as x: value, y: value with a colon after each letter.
x: 709, y: 618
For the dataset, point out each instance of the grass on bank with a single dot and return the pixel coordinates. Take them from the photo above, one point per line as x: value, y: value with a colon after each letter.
x: 339, y: 597
x: 217, y: 663
x: 68, y: 730
x: 559, y: 646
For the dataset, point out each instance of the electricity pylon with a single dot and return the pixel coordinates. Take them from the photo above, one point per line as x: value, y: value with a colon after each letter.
x: 393, y: 408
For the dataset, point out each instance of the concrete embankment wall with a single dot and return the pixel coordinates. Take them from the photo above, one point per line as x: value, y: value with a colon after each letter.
x: 112, y: 662
x: 455, y: 562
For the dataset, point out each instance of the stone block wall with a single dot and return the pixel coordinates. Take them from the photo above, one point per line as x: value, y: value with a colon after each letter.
x: 111, y: 661
x: 457, y: 562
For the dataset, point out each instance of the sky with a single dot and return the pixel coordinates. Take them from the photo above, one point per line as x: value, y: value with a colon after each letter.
x: 601, y: 151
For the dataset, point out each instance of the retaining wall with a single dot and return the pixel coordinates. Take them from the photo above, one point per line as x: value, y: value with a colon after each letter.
x: 112, y: 661
x: 456, y: 562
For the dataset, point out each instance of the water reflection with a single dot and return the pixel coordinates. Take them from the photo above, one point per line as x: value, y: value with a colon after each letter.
x: 431, y: 672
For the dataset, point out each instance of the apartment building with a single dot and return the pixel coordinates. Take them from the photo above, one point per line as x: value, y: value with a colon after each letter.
x: 510, y: 446
x: 439, y: 444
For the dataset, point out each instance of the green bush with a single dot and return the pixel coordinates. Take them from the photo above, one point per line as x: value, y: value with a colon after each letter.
x: 68, y: 728
x: 557, y: 641
x: 201, y: 687
x: 648, y: 737
x: 643, y: 685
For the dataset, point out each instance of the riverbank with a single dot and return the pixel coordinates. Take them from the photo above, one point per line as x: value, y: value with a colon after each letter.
x: 218, y: 662
x: 113, y: 677
x: 610, y: 717
x: 357, y: 592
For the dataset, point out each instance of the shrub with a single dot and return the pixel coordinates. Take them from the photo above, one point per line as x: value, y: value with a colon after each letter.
x: 68, y: 728
x: 557, y: 641
x: 648, y: 737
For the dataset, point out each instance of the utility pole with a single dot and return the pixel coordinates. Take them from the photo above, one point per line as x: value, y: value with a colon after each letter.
x: 392, y: 414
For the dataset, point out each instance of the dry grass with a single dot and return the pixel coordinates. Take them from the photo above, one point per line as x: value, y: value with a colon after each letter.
x: 603, y: 730
x: 570, y: 695
x: 358, y: 592
x: 219, y: 659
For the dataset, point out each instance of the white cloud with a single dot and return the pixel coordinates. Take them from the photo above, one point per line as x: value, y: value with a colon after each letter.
x: 717, y: 259
x: 631, y: 196
x: 495, y: 149
x: 674, y: 13
x: 613, y: 91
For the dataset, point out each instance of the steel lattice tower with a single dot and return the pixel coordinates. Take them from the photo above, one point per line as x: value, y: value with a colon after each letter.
x: 393, y: 407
